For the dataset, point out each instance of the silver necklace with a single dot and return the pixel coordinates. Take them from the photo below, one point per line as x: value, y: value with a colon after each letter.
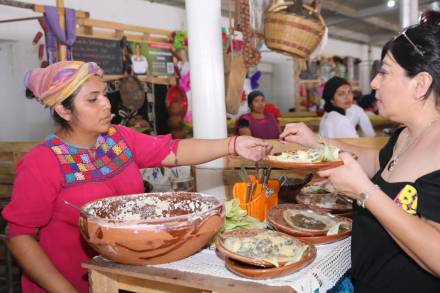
x: 395, y: 158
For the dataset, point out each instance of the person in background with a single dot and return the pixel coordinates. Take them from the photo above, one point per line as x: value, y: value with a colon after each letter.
x: 342, y: 116
x: 140, y: 63
x: 258, y: 123
x: 368, y: 103
x: 396, y: 222
x: 86, y: 159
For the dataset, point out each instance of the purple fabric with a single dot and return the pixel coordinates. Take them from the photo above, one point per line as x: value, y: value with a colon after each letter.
x: 255, y: 80
x: 55, y: 32
x: 266, y: 128
x: 51, y: 44
x: 70, y: 31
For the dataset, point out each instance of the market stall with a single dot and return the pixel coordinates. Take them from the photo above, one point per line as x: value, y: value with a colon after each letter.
x: 270, y: 222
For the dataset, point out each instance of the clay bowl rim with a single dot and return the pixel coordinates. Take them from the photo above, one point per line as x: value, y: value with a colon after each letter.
x: 252, y: 232
x: 299, y: 233
x: 88, y: 216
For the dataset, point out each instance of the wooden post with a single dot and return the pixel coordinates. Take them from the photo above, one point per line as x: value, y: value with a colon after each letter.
x: 61, y: 49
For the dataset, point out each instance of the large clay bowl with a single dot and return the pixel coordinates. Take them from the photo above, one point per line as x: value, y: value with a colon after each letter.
x: 151, y: 228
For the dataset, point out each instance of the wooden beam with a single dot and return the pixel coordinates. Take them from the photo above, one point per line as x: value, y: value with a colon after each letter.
x: 18, y: 19
x: 151, y: 79
x: 123, y: 27
x: 61, y: 48
x: 113, y: 35
x: 79, y: 13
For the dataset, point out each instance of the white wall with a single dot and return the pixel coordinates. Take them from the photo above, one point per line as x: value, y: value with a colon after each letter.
x: 20, y: 118
x: 283, y: 90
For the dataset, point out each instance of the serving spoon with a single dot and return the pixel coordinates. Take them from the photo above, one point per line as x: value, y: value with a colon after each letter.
x: 78, y: 208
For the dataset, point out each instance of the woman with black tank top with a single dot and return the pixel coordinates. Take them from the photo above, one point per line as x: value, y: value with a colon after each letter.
x: 396, y: 224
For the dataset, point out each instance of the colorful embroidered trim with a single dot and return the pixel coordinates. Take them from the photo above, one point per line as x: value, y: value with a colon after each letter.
x: 85, y: 164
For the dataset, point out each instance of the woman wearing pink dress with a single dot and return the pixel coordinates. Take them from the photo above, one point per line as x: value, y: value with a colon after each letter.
x: 87, y: 158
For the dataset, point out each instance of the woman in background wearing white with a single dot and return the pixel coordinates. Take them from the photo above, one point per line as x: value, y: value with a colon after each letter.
x: 342, y: 116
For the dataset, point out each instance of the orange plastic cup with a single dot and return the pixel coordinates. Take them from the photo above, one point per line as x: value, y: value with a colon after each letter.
x: 260, y: 204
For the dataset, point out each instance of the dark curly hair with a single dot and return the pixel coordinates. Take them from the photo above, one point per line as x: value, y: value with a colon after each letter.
x: 426, y: 37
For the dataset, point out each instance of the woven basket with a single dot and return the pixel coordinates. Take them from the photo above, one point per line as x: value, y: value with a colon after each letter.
x: 292, y: 34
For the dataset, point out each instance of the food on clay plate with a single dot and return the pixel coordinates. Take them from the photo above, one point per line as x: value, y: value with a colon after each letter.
x: 323, y: 196
x: 269, y: 246
x: 324, y: 153
x: 312, y: 221
x: 319, y: 188
x: 237, y: 218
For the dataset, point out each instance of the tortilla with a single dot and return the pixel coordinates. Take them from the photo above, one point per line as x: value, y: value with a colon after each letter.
x: 268, y: 246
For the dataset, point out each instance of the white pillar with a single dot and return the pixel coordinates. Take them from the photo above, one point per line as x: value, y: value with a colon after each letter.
x: 409, y: 12
x: 207, y: 77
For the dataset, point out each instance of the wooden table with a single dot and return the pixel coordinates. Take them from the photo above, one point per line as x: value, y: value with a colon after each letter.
x: 205, y: 271
x: 109, y: 277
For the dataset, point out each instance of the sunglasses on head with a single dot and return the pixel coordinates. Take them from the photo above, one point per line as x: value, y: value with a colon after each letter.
x: 403, y: 33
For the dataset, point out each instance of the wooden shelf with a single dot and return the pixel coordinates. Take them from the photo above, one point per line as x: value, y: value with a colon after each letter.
x: 152, y: 79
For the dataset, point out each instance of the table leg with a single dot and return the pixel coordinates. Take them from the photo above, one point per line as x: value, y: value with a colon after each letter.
x: 101, y: 282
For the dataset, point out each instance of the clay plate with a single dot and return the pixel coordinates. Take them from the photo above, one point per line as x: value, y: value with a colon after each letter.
x: 248, y: 260
x: 311, y: 167
x: 310, y: 199
x: 252, y: 272
x: 275, y: 218
x: 303, y: 166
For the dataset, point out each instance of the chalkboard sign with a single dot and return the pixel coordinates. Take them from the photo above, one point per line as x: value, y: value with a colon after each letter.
x: 106, y: 53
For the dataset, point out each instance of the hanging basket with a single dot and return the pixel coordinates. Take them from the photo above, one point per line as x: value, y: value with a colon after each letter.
x: 290, y: 33
x: 235, y: 74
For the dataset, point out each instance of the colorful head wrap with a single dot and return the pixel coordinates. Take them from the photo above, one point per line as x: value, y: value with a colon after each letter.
x: 55, y: 83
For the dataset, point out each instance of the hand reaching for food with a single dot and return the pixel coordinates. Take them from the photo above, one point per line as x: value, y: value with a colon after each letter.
x: 299, y: 133
x: 252, y: 148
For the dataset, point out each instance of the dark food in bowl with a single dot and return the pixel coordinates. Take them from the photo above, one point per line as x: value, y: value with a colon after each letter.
x: 149, y: 206
x: 307, y: 222
x: 151, y: 228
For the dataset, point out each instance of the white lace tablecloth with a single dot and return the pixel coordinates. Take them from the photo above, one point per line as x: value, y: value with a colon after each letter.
x: 332, y: 261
